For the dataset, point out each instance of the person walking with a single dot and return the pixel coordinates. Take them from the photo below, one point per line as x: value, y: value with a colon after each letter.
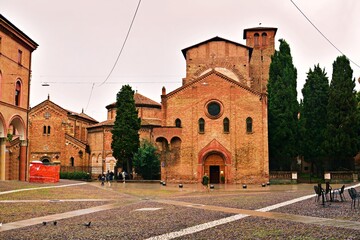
x: 108, y: 178
x: 205, y: 182
x: 123, y: 174
x: 102, y: 179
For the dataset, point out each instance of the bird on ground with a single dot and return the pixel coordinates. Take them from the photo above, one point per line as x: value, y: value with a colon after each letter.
x: 44, y: 223
x: 55, y: 222
x: 87, y: 224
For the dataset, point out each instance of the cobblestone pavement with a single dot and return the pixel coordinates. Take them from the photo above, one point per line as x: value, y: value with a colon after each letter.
x: 153, y: 211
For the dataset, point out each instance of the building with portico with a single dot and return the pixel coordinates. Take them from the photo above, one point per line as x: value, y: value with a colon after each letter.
x: 15, y: 71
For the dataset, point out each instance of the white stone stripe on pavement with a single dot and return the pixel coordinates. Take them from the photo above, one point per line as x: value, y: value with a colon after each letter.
x: 198, y: 228
x: 208, y: 225
x: 29, y: 189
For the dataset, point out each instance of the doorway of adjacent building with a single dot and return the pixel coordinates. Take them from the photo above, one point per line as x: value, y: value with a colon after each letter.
x: 214, y: 174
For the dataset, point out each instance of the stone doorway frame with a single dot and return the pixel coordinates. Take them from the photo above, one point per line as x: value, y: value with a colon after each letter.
x: 214, y: 147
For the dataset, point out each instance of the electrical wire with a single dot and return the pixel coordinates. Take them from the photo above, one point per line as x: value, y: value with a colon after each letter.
x: 92, y: 88
x: 122, y: 48
x: 322, y: 33
x: 147, y: 82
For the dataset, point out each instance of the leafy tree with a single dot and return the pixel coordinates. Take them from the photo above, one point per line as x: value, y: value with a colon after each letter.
x: 314, y: 117
x: 146, y: 161
x: 343, y: 117
x: 283, y: 109
x: 125, y: 136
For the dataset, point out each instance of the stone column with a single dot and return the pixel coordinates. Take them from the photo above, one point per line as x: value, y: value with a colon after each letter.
x: 22, y: 165
x: 2, y: 158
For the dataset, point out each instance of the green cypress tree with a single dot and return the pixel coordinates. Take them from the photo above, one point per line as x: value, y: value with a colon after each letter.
x: 343, y: 117
x: 125, y: 136
x: 283, y: 109
x: 314, y: 117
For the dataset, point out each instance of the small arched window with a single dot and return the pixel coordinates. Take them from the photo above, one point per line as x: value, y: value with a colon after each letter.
x: 72, y: 161
x: 48, y: 130
x: 226, y: 124
x: 178, y: 123
x: 201, y: 125
x: 249, y: 123
x: 44, y: 131
x: 17, y: 93
x: 264, y: 39
x: 256, y: 39
x: 45, y: 161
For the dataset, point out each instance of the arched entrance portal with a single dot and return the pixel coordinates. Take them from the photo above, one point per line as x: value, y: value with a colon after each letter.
x: 214, y: 167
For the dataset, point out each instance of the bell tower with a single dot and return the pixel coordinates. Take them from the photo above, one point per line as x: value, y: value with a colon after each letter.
x: 262, y: 41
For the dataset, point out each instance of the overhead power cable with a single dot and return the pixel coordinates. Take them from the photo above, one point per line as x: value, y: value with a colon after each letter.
x: 122, y: 48
x: 322, y: 33
x: 92, y: 88
x: 137, y: 82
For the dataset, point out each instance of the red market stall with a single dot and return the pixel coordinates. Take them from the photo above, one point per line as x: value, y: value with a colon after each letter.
x: 44, y: 173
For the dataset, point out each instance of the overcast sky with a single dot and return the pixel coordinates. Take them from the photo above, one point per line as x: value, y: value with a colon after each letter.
x: 80, y: 40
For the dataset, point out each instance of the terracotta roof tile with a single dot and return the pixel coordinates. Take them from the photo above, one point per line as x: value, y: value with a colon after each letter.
x: 140, y: 101
x: 104, y: 123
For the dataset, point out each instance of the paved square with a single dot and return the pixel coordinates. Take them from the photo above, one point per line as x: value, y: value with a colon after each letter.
x: 153, y: 211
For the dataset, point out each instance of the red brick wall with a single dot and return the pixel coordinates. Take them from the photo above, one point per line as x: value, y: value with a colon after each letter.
x: 261, y: 57
x: 55, y: 145
x: 248, y: 160
x: 218, y: 54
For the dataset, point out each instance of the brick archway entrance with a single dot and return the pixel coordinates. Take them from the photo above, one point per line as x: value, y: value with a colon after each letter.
x: 214, y: 166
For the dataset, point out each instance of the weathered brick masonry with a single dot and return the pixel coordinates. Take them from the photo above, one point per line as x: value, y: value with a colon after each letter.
x: 15, y: 70
x: 215, y: 123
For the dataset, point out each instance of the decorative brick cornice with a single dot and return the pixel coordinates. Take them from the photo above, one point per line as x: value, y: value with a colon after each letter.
x: 206, y: 75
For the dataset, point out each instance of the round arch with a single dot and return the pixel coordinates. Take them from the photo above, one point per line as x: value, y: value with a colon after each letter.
x: 110, y: 163
x: 215, y: 154
x: 175, y: 142
x: 45, y: 159
x: 18, y: 123
x: 214, y: 167
x: 162, y: 144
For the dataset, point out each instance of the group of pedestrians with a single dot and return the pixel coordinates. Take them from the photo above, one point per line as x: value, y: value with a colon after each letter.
x: 108, y: 177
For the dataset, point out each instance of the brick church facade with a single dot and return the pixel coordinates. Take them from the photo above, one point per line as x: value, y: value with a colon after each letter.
x: 59, y: 136
x: 214, y: 124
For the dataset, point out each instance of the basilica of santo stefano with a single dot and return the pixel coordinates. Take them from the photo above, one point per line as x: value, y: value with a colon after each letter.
x: 214, y: 124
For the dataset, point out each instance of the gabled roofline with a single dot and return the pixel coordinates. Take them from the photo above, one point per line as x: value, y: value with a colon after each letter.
x: 43, y: 102
x: 69, y: 113
x: 258, y: 29
x: 102, y: 124
x: 83, y: 116
x: 212, y: 40
x: 20, y: 33
x: 213, y: 71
